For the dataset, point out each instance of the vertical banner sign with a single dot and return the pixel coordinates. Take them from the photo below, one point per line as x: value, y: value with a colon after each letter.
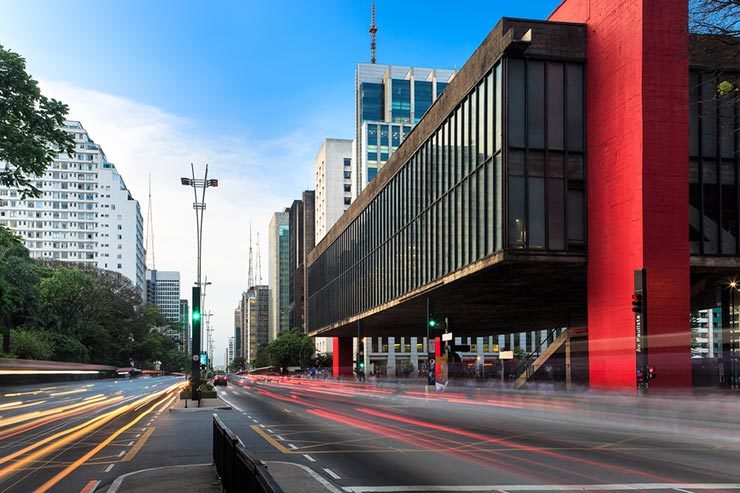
x: 639, y: 307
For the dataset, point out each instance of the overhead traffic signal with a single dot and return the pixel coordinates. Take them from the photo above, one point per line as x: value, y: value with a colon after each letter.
x: 196, y: 315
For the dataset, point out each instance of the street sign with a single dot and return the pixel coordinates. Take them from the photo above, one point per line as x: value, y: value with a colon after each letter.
x: 447, y: 336
x: 196, y: 357
x: 506, y: 355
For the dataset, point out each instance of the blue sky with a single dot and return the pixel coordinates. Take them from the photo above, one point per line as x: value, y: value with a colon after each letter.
x: 251, y: 87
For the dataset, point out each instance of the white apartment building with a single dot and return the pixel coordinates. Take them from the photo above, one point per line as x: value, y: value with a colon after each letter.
x: 163, y: 291
x: 85, y: 214
x: 333, y: 183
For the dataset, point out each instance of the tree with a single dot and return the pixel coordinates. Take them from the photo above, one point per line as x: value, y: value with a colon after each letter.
x: 27, y: 344
x: 238, y: 364
x: 66, y: 300
x: 291, y: 348
x: 31, y: 133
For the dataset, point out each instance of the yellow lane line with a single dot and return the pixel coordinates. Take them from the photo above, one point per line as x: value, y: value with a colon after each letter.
x: 271, y: 440
x: 138, y: 445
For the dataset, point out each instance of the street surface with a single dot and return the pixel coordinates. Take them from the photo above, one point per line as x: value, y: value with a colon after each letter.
x: 369, y: 439
x: 69, y: 436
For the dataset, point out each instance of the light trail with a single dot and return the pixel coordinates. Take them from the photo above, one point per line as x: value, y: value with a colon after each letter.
x: 40, y: 414
x: 63, y: 438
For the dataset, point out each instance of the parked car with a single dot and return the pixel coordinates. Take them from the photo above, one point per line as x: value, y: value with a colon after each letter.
x: 219, y: 380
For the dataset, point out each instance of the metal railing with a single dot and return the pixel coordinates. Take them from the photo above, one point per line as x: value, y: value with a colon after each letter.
x: 525, y: 365
x: 238, y: 471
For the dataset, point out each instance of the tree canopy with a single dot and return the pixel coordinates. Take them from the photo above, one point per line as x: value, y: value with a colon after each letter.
x: 31, y: 133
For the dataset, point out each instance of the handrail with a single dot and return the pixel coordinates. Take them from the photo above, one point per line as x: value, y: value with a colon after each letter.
x: 526, y: 364
x: 236, y: 467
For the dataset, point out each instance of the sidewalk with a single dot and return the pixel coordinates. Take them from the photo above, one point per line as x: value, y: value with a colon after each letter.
x: 181, y: 447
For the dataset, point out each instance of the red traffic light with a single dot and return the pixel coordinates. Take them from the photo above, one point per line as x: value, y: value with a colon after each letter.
x: 636, y: 302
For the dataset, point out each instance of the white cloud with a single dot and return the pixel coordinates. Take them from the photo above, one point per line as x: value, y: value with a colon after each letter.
x: 256, y: 178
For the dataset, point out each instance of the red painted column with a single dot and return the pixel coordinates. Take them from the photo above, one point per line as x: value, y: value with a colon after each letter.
x: 437, y: 354
x: 342, y: 357
x: 637, y: 184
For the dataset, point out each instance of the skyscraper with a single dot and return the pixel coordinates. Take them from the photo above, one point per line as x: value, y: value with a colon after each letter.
x: 389, y: 101
x: 302, y: 240
x: 278, y: 276
x: 85, y: 214
x: 333, y: 183
x: 254, y: 310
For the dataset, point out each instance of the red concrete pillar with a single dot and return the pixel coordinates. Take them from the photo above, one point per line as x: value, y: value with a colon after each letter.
x: 437, y: 354
x: 342, y: 357
x: 637, y: 154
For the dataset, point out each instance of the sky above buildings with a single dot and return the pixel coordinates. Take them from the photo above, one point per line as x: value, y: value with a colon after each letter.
x: 250, y: 87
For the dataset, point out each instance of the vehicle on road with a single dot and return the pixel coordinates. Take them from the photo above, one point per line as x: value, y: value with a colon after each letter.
x: 220, y: 380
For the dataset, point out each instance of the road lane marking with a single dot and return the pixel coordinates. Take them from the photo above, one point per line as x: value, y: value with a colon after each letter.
x: 332, y: 473
x: 544, y: 487
x: 139, y: 444
x: 121, y: 453
x: 280, y: 438
x: 107, y: 469
x: 90, y: 487
x: 318, y: 477
x: 255, y: 420
x: 271, y: 440
x: 130, y: 443
x: 230, y: 403
x: 270, y: 431
x: 116, y: 485
x: 262, y: 426
x: 309, y: 457
x: 292, y: 446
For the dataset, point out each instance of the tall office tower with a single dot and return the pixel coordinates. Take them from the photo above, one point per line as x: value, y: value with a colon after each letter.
x: 389, y: 101
x: 238, y: 331
x: 230, y: 351
x: 85, y: 214
x: 302, y: 240
x: 185, y: 328
x: 163, y: 291
x: 333, y: 177
x: 254, y: 309
x: 278, y: 277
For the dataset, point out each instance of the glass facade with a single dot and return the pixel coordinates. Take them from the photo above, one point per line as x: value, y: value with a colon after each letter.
x: 371, y: 101
x: 714, y: 144
x: 447, y: 206
x: 422, y: 98
x: 400, y: 101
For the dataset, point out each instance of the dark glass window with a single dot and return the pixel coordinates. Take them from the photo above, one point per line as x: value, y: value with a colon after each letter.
x: 729, y: 207
x: 422, y: 98
x: 441, y: 86
x: 395, y: 136
x: 371, y: 172
x: 694, y: 207
x: 372, y: 135
x: 347, y: 200
x: 517, y: 226
x: 536, y: 105
x: 384, y: 135
x: 372, y: 101
x: 555, y: 105
x: 708, y: 116
x: 711, y: 207
x: 574, y: 105
x: 516, y: 102
x: 347, y: 162
x: 400, y: 100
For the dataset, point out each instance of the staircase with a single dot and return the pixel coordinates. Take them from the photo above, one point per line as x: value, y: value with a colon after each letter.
x: 537, y: 359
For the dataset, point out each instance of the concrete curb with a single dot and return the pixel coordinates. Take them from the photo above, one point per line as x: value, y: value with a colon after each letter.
x: 116, y: 485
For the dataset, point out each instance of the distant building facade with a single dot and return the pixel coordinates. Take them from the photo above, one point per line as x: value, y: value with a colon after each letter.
x: 302, y: 241
x: 185, y: 328
x: 254, y: 308
x: 333, y: 183
x: 278, y: 273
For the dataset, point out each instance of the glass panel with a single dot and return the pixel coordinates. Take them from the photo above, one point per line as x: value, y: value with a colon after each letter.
x: 556, y: 213
x: 694, y: 81
x: 517, y: 227
x: 708, y: 116
x: 536, y: 163
x: 555, y: 105
x: 575, y: 219
x: 711, y: 207
x: 516, y: 102
x: 574, y: 75
x: 372, y: 101
x: 516, y: 163
x: 727, y: 125
x: 482, y: 152
x: 499, y: 201
x: 536, y: 224
x: 694, y: 207
x: 729, y: 207
x: 400, y: 100
x: 422, y: 98
x: 489, y: 116
x: 536, y: 105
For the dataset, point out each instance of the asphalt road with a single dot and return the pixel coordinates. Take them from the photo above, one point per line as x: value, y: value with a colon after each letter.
x: 368, y: 439
x: 68, y: 436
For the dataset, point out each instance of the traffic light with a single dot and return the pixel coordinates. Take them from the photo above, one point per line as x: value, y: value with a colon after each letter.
x: 362, y: 365
x: 196, y: 315
x: 432, y: 323
x: 637, y: 302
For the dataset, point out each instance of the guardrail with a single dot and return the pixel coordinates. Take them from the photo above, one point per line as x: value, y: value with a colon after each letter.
x: 238, y: 471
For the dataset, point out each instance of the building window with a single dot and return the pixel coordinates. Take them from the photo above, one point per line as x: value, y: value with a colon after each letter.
x: 347, y: 162
x: 347, y: 200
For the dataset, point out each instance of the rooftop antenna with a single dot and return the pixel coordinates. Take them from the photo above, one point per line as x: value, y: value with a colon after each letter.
x: 250, y: 274
x: 259, y: 262
x: 150, y: 228
x: 373, y: 31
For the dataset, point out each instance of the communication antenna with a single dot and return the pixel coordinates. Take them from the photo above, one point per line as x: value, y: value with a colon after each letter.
x: 373, y: 31
x: 250, y: 274
x: 150, y: 229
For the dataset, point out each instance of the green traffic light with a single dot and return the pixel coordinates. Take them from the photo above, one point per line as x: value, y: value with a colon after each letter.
x: 196, y: 315
x: 432, y: 323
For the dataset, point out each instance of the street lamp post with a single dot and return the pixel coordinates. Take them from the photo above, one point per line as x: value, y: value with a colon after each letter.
x: 200, y: 206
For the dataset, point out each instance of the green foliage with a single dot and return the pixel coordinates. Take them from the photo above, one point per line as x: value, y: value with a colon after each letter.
x: 406, y: 368
x: 291, y: 348
x: 28, y: 344
x: 65, y: 300
x: 726, y: 87
x: 322, y: 360
x: 238, y: 364
x: 30, y: 127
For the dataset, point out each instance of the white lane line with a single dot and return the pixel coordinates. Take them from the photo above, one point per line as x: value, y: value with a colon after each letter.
x: 245, y: 414
x: 137, y: 436
x: 544, y: 487
x: 280, y: 438
x: 262, y: 426
x: 130, y: 444
x: 231, y: 404
x: 250, y: 417
x: 116, y: 485
x: 331, y: 473
x: 122, y: 453
x: 318, y: 477
x: 309, y: 457
x: 270, y: 431
x: 292, y: 446
x: 107, y: 469
x: 255, y: 420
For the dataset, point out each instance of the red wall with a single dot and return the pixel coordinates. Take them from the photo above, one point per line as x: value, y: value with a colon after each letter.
x: 342, y: 356
x: 637, y: 144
